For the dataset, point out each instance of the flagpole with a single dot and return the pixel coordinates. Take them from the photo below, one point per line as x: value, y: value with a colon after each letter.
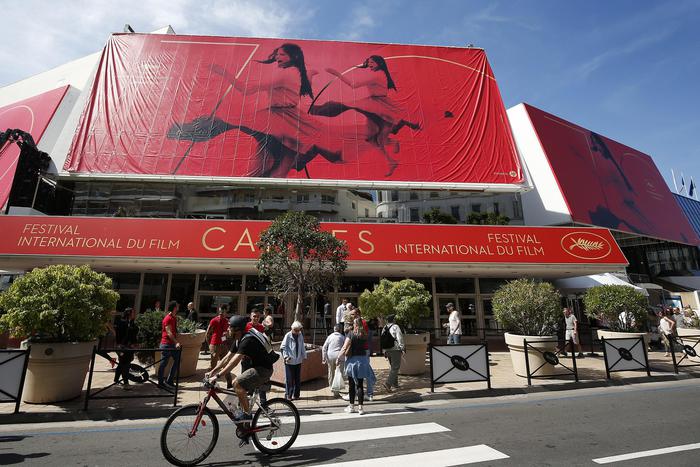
x: 673, y: 176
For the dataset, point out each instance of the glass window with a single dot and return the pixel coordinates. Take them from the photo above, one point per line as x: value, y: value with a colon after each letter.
x: 358, y: 284
x: 415, y: 215
x: 496, y: 208
x: 454, y: 285
x: 366, y: 212
x: 476, y: 207
x: 182, y: 289
x: 153, y: 296
x: 413, y: 195
x: 394, y: 195
x: 454, y: 210
x: 220, y: 282
x: 434, y: 194
x: 487, y: 286
x: 209, y: 305
x: 256, y: 283
x: 125, y: 280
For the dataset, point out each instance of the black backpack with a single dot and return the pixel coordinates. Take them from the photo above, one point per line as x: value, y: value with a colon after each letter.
x: 386, y: 340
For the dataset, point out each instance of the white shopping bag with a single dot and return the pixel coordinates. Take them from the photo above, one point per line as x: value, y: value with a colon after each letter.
x: 338, y: 383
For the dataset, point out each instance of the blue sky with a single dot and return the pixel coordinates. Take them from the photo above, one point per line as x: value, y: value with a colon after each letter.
x: 628, y: 69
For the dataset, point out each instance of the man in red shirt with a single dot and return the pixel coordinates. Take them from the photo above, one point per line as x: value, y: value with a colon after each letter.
x: 169, y: 347
x: 216, y: 335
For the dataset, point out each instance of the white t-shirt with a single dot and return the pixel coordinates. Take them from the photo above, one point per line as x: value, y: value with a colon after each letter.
x: 340, y: 314
x: 665, y: 326
x: 570, y: 322
x: 455, y: 323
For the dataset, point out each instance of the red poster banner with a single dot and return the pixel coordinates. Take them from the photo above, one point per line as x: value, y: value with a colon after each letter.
x: 608, y: 184
x: 183, y: 238
x: 29, y: 115
x: 271, y: 108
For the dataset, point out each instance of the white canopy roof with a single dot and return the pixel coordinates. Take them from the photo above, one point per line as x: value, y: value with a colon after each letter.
x: 580, y: 284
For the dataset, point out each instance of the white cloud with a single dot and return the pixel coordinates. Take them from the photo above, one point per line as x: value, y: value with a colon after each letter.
x: 39, y: 35
x: 361, y: 21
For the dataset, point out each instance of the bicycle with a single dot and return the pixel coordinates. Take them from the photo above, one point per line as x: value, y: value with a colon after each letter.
x: 191, y: 432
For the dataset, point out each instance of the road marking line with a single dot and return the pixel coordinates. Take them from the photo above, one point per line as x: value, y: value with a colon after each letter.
x: 652, y: 452
x: 443, y: 458
x: 351, y: 436
x: 100, y: 425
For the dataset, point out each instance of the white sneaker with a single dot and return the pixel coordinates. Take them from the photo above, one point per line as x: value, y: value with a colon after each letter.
x: 360, y: 411
x: 345, y: 397
x: 370, y: 398
x: 349, y: 409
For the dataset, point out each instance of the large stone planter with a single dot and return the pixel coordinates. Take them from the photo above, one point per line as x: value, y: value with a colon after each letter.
x: 191, y: 344
x: 691, y: 341
x: 56, y: 371
x: 413, y: 362
x: 516, y: 345
x: 604, y: 333
x: 311, y: 368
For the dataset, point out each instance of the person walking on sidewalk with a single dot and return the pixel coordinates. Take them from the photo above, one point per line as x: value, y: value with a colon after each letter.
x: 127, y: 332
x: 294, y: 353
x: 392, y: 343
x: 666, y: 328
x: 453, y: 325
x: 331, y: 354
x: 216, y: 336
x: 571, y: 332
x: 169, y: 347
x: 356, y: 365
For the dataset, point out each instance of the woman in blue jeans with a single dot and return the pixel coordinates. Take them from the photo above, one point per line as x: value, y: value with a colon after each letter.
x: 294, y: 352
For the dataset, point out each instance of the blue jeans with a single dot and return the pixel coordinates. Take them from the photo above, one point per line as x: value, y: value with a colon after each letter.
x: 292, y: 375
x: 454, y: 339
x: 168, y: 351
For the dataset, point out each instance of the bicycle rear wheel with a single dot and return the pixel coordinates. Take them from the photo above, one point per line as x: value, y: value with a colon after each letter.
x: 278, y: 428
x: 182, y: 448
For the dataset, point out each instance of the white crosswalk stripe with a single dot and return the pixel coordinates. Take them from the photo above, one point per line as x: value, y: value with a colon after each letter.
x: 442, y: 458
x: 351, y: 436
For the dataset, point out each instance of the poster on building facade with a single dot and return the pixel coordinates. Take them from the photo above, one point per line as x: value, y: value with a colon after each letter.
x: 608, y: 184
x: 294, y: 109
x: 32, y: 116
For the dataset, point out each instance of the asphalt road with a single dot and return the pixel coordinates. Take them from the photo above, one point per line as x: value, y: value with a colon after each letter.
x: 558, y: 428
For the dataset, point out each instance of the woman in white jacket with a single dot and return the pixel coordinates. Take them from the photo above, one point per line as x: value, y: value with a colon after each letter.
x: 293, y: 352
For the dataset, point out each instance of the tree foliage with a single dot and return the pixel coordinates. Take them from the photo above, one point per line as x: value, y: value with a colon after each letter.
x: 487, y: 218
x: 527, y: 307
x: 59, y: 303
x: 607, y: 303
x: 435, y: 216
x: 407, y: 299
x: 296, y: 256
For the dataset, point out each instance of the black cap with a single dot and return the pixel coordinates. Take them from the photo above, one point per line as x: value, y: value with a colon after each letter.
x: 238, y: 322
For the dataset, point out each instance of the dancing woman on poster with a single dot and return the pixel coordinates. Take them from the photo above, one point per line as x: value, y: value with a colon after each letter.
x: 384, y: 117
x: 287, y: 137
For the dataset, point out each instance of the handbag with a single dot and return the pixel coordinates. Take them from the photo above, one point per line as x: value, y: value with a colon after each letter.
x: 338, y: 382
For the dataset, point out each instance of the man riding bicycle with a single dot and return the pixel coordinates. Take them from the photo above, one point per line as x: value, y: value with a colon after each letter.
x: 253, y: 350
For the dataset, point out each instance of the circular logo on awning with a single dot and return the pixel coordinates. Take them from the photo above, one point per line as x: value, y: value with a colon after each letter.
x: 586, y: 245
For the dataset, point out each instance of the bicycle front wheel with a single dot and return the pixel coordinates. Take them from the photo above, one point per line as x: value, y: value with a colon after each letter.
x: 276, y: 430
x: 181, y: 443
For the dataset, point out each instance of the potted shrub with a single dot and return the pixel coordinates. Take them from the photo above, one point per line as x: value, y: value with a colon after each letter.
x: 409, y: 300
x: 188, y: 334
x: 619, y: 308
x: 63, y: 309
x: 528, y: 309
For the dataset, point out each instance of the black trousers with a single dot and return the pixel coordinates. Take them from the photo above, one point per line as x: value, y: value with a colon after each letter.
x: 122, y: 371
x: 356, y: 388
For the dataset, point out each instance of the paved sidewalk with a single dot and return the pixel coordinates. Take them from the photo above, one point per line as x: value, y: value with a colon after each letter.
x: 316, y: 395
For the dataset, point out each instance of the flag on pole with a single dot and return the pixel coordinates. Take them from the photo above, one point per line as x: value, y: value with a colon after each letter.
x: 691, y: 190
x: 682, y: 190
